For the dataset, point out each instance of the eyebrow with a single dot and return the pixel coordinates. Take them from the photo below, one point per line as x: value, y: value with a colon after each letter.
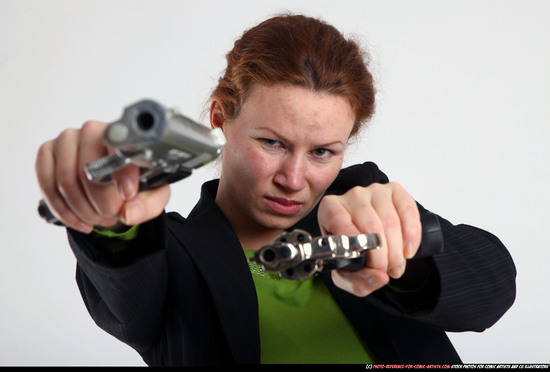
x: 285, y: 139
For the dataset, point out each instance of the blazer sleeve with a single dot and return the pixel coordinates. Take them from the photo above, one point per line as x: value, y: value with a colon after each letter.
x: 470, y: 285
x: 124, y: 292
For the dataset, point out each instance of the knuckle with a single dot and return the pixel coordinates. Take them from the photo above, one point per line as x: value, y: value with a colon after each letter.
x: 330, y: 206
x: 397, y: 188
x: 91, y: 127
x: 329, y: 199
x: 44, y: 150
x: 410, y: 210
x: 360, y: 194
x: 391, y: 222
x: 67, y: 134
x: 356, y: 190
x: 377, y: 187
x: 395, y: 185
x: 371, y: 226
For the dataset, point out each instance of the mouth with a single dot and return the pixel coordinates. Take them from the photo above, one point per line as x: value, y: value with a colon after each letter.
x: 283, y: 206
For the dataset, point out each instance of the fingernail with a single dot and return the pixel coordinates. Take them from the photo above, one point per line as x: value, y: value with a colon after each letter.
x: 134, y: 212
x: 126, y: 188
x: 396, y: 272
x: 409, y: 250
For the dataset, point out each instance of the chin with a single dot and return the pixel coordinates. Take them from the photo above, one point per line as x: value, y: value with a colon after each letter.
x: 280, y: 222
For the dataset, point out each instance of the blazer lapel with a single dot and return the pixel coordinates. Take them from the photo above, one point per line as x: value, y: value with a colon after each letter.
x: 218, y: 254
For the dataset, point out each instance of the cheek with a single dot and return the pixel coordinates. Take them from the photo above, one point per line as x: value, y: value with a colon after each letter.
x: 249, y: 164
x: 321, y: 179
x: 261, y: 166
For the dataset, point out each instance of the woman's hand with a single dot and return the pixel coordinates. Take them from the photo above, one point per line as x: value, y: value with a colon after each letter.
x: 384, y: 209
x: 81, y: 204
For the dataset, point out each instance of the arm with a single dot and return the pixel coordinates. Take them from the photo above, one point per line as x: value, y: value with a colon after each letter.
x: 467, y: 287
x: 470, y: 285
x: 124, y: 292
x: 123, y: 283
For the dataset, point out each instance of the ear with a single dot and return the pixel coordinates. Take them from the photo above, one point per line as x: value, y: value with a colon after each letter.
x: 217, y: 115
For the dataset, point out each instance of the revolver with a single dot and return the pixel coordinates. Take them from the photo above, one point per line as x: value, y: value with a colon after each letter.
x: 296, y: 255
x: 163, y: 143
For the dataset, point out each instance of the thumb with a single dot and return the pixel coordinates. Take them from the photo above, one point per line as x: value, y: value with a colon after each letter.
x: 126, y: 181
x: 145, y: 206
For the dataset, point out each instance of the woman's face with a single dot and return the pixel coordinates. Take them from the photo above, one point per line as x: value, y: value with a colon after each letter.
x: 283, y: 151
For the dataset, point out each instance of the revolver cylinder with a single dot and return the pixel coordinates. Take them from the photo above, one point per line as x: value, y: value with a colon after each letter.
x: 296, y: 255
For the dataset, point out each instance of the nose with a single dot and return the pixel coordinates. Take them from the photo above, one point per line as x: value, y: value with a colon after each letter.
x: 291, y: 175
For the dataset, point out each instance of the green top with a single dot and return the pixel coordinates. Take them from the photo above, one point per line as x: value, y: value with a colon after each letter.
x: 299, y: 320
x: 301, y: 323
x: 117, y: 240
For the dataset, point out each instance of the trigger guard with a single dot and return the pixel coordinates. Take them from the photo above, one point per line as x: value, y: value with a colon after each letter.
x: 347, y: 264
x: 151, y: 180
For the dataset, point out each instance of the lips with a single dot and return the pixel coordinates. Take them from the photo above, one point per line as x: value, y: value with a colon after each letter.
x: 283, y: 205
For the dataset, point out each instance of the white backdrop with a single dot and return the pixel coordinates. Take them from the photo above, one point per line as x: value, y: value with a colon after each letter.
x: 462, y: 122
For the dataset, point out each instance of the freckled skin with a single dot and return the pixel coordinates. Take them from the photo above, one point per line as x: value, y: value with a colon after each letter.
x: 287, y: 142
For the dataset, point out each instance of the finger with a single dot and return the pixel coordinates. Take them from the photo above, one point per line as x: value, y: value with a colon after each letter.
x: 334, y: 217
x: 105, y: 198
x: 367, y: 220
x: 46, y: 175
x: 66, y: 156
x: 126, y: 181
x: 360, y: 283
x: 384, y: 205
x: 145, y: 206
x: 410, y: 221
x: 352, y: 214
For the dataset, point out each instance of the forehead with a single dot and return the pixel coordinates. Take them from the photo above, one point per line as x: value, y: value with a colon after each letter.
x: 295, y: 107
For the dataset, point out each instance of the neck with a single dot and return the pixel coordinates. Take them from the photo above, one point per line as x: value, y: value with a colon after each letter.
x: 256, y: 239
x: 251, y: 235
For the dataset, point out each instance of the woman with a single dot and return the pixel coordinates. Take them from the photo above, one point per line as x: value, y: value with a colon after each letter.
x: 180, y: 290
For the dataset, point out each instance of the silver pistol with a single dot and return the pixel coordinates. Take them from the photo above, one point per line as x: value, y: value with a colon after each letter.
x: 166, y: 145
x: 163, y: 143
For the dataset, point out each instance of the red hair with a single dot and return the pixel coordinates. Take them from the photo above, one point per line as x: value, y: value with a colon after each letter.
x: 302, y: 51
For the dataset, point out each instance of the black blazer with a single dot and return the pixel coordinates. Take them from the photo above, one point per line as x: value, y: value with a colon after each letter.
x: 181, y: 293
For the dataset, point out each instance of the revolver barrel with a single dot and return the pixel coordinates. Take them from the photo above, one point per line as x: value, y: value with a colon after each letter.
x: 296, y: 255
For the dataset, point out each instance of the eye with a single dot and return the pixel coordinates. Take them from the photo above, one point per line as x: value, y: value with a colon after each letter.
x: 270, y: 143
x: 322, y: 153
